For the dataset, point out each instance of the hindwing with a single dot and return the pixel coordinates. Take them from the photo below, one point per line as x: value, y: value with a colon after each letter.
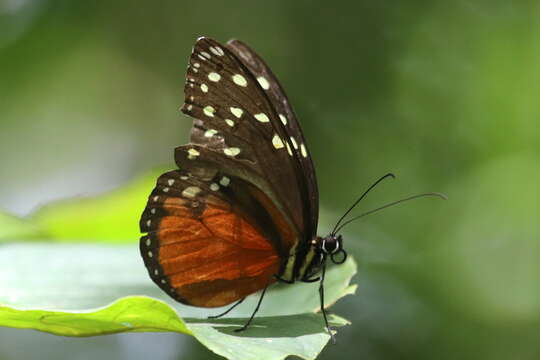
x: 209, y: 239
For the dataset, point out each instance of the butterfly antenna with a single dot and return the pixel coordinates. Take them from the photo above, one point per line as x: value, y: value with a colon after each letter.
x: 433, y: 194
x: 360, y: 198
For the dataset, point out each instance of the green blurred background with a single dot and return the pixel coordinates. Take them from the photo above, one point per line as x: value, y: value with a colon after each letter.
x: 444, y: 94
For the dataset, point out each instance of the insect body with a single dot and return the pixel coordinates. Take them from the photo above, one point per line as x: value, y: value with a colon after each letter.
x: 241, y: 210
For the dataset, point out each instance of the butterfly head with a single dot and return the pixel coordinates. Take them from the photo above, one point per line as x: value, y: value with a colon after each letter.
x: 324, y: 248
x: 332, y: 246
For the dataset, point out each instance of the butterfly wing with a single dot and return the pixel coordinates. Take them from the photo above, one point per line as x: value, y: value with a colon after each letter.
x: 279, y: 100
x: 244, y: 202
x: 241, y: 110
x: 209, y: 240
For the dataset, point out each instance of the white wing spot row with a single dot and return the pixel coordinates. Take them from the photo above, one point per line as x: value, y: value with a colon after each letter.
x: 216, y: 50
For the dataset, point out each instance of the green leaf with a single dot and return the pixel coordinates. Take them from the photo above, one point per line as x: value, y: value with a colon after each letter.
x: 136, y: 313
x: 109, y: 218
x: 269, y: 338
x: 56, y: 287
x: 12, y: 227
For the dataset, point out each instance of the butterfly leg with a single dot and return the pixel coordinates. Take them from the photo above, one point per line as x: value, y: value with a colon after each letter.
x: 280, y: 279
x: 254, y: 312
x: 311, y: 280
x: 321, y: 295
x: 228, y: 310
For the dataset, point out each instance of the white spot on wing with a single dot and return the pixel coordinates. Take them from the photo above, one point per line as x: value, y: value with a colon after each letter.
x: 232, y: 151
x: 216, y: 50
x: 303, y: 150
x: 225, y: 181
x: 205, y: 54
x: 214, y: 76
x: 276, y: 141
x: 165, y: 189
x: 148, y: 223
x: 237, y: 112
x: 156, y: 198
x: 294, y: 144
x: 214, y: 187
x: 170, y: 182
x: 239, y: 80
x: 262, y: 117
x: 191, y: 191
x: 263, y: 82
x: 209, y: 111
x: 209, y: 133
x: 204, y: 88
x: 148, y: 242
x: 283, y: 119
x: 229, y: 122
x: 193, y: 153
x: 288, y: 148
x: 196, y: 64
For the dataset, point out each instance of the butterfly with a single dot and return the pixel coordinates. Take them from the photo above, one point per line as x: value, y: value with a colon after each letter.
x: 240, y: 213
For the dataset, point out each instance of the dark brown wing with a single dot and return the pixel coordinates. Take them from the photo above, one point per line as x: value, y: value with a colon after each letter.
x: 236, y: 116
x: 305, y: 173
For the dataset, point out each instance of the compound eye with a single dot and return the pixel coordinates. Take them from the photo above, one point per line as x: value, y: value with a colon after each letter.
x: 339, y: 257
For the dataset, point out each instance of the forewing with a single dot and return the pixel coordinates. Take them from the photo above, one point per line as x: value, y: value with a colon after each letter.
x: 279, y: 100
x: 234, y: 115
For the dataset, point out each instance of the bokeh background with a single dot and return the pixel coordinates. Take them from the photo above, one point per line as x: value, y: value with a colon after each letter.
x: 444, y: 94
